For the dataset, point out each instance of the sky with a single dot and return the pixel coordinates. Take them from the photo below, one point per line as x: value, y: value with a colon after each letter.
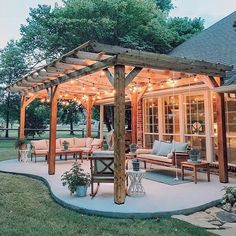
x: 13, y: 13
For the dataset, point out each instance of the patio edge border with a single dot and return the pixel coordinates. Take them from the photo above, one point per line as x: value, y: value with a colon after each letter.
x: 119, y: 215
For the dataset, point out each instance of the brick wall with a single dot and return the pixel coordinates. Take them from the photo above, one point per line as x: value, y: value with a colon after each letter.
x: 140, y: 124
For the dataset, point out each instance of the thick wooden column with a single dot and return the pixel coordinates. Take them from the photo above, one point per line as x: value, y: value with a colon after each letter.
x: 22, y: 117
x: 89, y: 107
x: 53, y: 131
x: 221, y: 135
x: 119, y: 131
x: 134, y: 108
x: 101, y: 121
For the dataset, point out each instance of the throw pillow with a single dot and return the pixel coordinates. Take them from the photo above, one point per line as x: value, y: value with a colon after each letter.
x: 179, y: 146
x: 170, y: 155
x: 165, y: 149
x: 156, y: 147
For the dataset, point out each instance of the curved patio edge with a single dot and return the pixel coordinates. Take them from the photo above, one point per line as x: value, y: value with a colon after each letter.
x: 120, y: 215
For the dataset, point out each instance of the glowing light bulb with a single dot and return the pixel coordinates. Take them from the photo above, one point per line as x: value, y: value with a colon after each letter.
x: 195, y: 79
x: 42, y: 100
x: 83, y: 88
x: 93, y: 88
x: 48, y: 100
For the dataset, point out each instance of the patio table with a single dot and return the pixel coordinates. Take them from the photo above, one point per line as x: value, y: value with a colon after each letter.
x: 67, y: 152
x: 195, y: 166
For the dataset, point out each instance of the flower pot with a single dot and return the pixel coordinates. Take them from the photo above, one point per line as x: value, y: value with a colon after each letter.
x: 133, y: 148
x: 65, y: 147
x: 23, y: 146
x: 81, y: 191
x: 136, y: 165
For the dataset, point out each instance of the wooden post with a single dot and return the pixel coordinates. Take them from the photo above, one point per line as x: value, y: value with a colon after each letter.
x: 134, y: 108
x: 119, y: 131
x: 22, y: 117
x: 89, y: 107
x: 221, y: 134
x: 101, y: 121
x: 53, y: 130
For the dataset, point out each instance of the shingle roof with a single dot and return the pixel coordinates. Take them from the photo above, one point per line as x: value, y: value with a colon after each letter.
x: 215, y: 44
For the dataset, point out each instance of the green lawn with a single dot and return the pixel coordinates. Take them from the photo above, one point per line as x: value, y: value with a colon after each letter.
x: 26, y: 208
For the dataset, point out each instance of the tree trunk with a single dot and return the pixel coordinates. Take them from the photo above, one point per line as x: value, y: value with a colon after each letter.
x: 7, y: 116
x: 106, y: 119
x: 71, y: 127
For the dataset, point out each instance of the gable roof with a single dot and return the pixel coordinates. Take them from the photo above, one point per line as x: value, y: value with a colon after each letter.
x: 215, y: 44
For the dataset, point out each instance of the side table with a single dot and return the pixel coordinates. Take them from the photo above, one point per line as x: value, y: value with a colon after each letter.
x: 23, y: 155
x: 135, y: 188
x: 195, y: 166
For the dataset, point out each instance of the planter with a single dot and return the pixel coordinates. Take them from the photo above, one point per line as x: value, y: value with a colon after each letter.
x: 23, y: 146
x: 136, y: 165
x: 194, y: 155
x: 105, y: 146
x: 133, y: 148
x: 81, y: 191
x: 65, y: 147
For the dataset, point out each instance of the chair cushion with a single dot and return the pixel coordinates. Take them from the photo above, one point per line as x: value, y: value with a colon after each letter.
x: 143, y: 151
x: 80, y: 142
x: 155, y: 157
x: 58, y: 143
x: 103, y: 154
x: 42, y: 152
x: 179, y: 146
x: 156, y: 147
x: 164, y: 149
x: 40, y: 144
x: 88, y: 142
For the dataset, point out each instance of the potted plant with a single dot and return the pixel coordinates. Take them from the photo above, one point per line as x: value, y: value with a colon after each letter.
x: 194, y: 155
x: 21, y: 143
x: 105, y: 146
x: 136, y: 164
x: 65, y: 145
x: 77, y: 180
x: 133, y: 148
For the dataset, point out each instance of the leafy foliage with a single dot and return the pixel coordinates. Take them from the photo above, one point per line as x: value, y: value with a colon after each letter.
x: 230, y: 195
x: 37, y: 117
x: 75, y: 177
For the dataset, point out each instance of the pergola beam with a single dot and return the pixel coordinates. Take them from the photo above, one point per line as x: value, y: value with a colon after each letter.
x: 109, y: 76
x: 132, y: 74
x: 77, y: 74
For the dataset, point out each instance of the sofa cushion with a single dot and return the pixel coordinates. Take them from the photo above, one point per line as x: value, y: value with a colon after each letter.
x: 156, y: 147
x: 164, y: 149
x: 58, y: 144
x: 88, y: 142
x: 103, y: 154
x: 179, y: 146
x: 155, y: 157
x: 40, y: 151
x: 80, y: 142
x: 96, y: 142
x: 40, y: 144
x: 143, y: 151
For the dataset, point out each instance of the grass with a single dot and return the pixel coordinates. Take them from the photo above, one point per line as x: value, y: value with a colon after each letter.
x: 26, y: 208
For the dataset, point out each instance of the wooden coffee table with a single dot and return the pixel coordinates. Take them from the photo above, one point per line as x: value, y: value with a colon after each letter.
x: 195, y: 166
x: 68, y: 152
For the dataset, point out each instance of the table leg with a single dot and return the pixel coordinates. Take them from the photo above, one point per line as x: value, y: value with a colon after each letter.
x: 208, y: 173
x: 81, y: 157
x: 195, y: 175
x: 66, y: 157
x: 75, y: 155
x: 182, y: 172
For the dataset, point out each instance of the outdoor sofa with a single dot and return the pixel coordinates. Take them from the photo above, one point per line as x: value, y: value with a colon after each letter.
x: 87, y: 145
x: 164, y: 153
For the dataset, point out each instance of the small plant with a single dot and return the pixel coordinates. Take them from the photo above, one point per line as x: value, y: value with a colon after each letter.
x: 105, y: 146
x: 229, y: 196
x: 75, y: 177
x: 21, y: 143
x: 194, y: 154
x: 133, y: 147
x: 65, y: 145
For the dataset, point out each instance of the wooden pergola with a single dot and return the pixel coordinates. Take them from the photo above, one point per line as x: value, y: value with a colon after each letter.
x: 100, y: 74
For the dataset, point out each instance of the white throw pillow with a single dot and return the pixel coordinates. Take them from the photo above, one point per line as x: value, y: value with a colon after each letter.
x: 88, y: 142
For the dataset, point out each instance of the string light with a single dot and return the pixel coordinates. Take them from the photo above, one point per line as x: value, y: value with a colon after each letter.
x: 83, y: 88
x: 42, y: 100
x: 195, y: 79
x: 93, y: 88
x: 48, y: 100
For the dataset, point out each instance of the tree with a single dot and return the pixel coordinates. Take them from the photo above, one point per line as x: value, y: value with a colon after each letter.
x: 69, y: 114
x: 165, y: 5
x: 37, y: 118
x: 184, y: 28
x: 12, y: 67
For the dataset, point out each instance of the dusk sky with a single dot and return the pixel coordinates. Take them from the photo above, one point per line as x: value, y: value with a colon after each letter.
x: 13, y: 13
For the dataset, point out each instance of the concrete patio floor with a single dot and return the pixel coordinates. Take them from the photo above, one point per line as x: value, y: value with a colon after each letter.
x: 161, y: 200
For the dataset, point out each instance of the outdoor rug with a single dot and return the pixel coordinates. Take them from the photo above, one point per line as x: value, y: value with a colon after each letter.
x: 165, y: 177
